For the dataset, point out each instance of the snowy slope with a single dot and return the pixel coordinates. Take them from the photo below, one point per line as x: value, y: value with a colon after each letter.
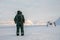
x: 57, y: 21
x: 31, y: 33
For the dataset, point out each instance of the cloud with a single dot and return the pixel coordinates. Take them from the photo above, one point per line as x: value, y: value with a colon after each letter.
x: 32, y: 9
x: 7, y: 23
x: 28, y: 22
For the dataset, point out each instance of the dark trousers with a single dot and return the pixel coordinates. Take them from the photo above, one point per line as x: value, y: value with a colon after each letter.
x: 19, y: 26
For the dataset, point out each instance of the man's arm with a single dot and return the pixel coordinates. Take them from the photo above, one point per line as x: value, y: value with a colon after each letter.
x: 23, y: 19
x: 15, y: 19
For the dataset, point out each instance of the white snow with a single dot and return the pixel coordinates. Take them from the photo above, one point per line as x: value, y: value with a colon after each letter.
x: 31, y: 33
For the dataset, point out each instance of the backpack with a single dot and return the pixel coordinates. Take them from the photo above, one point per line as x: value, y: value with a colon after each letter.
x: 19, y: 19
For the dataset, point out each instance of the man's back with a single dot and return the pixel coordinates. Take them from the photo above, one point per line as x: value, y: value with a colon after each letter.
x: 19, y: 19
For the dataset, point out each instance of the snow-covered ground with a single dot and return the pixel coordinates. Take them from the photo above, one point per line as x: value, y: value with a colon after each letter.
x: 31, y: 33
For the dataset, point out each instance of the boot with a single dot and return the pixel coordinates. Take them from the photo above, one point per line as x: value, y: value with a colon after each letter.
x: 22, y: 34
x: 17, y: 34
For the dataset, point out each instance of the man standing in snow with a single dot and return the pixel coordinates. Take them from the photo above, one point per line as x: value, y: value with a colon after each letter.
x: 19, y: 21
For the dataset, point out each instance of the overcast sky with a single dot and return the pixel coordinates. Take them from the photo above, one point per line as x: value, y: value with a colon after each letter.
x: 32, y: 9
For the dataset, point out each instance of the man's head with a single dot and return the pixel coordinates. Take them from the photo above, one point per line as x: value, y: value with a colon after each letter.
x: 19, y: 12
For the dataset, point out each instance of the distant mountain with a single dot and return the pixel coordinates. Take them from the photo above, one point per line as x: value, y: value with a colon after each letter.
x: 57, y: 21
